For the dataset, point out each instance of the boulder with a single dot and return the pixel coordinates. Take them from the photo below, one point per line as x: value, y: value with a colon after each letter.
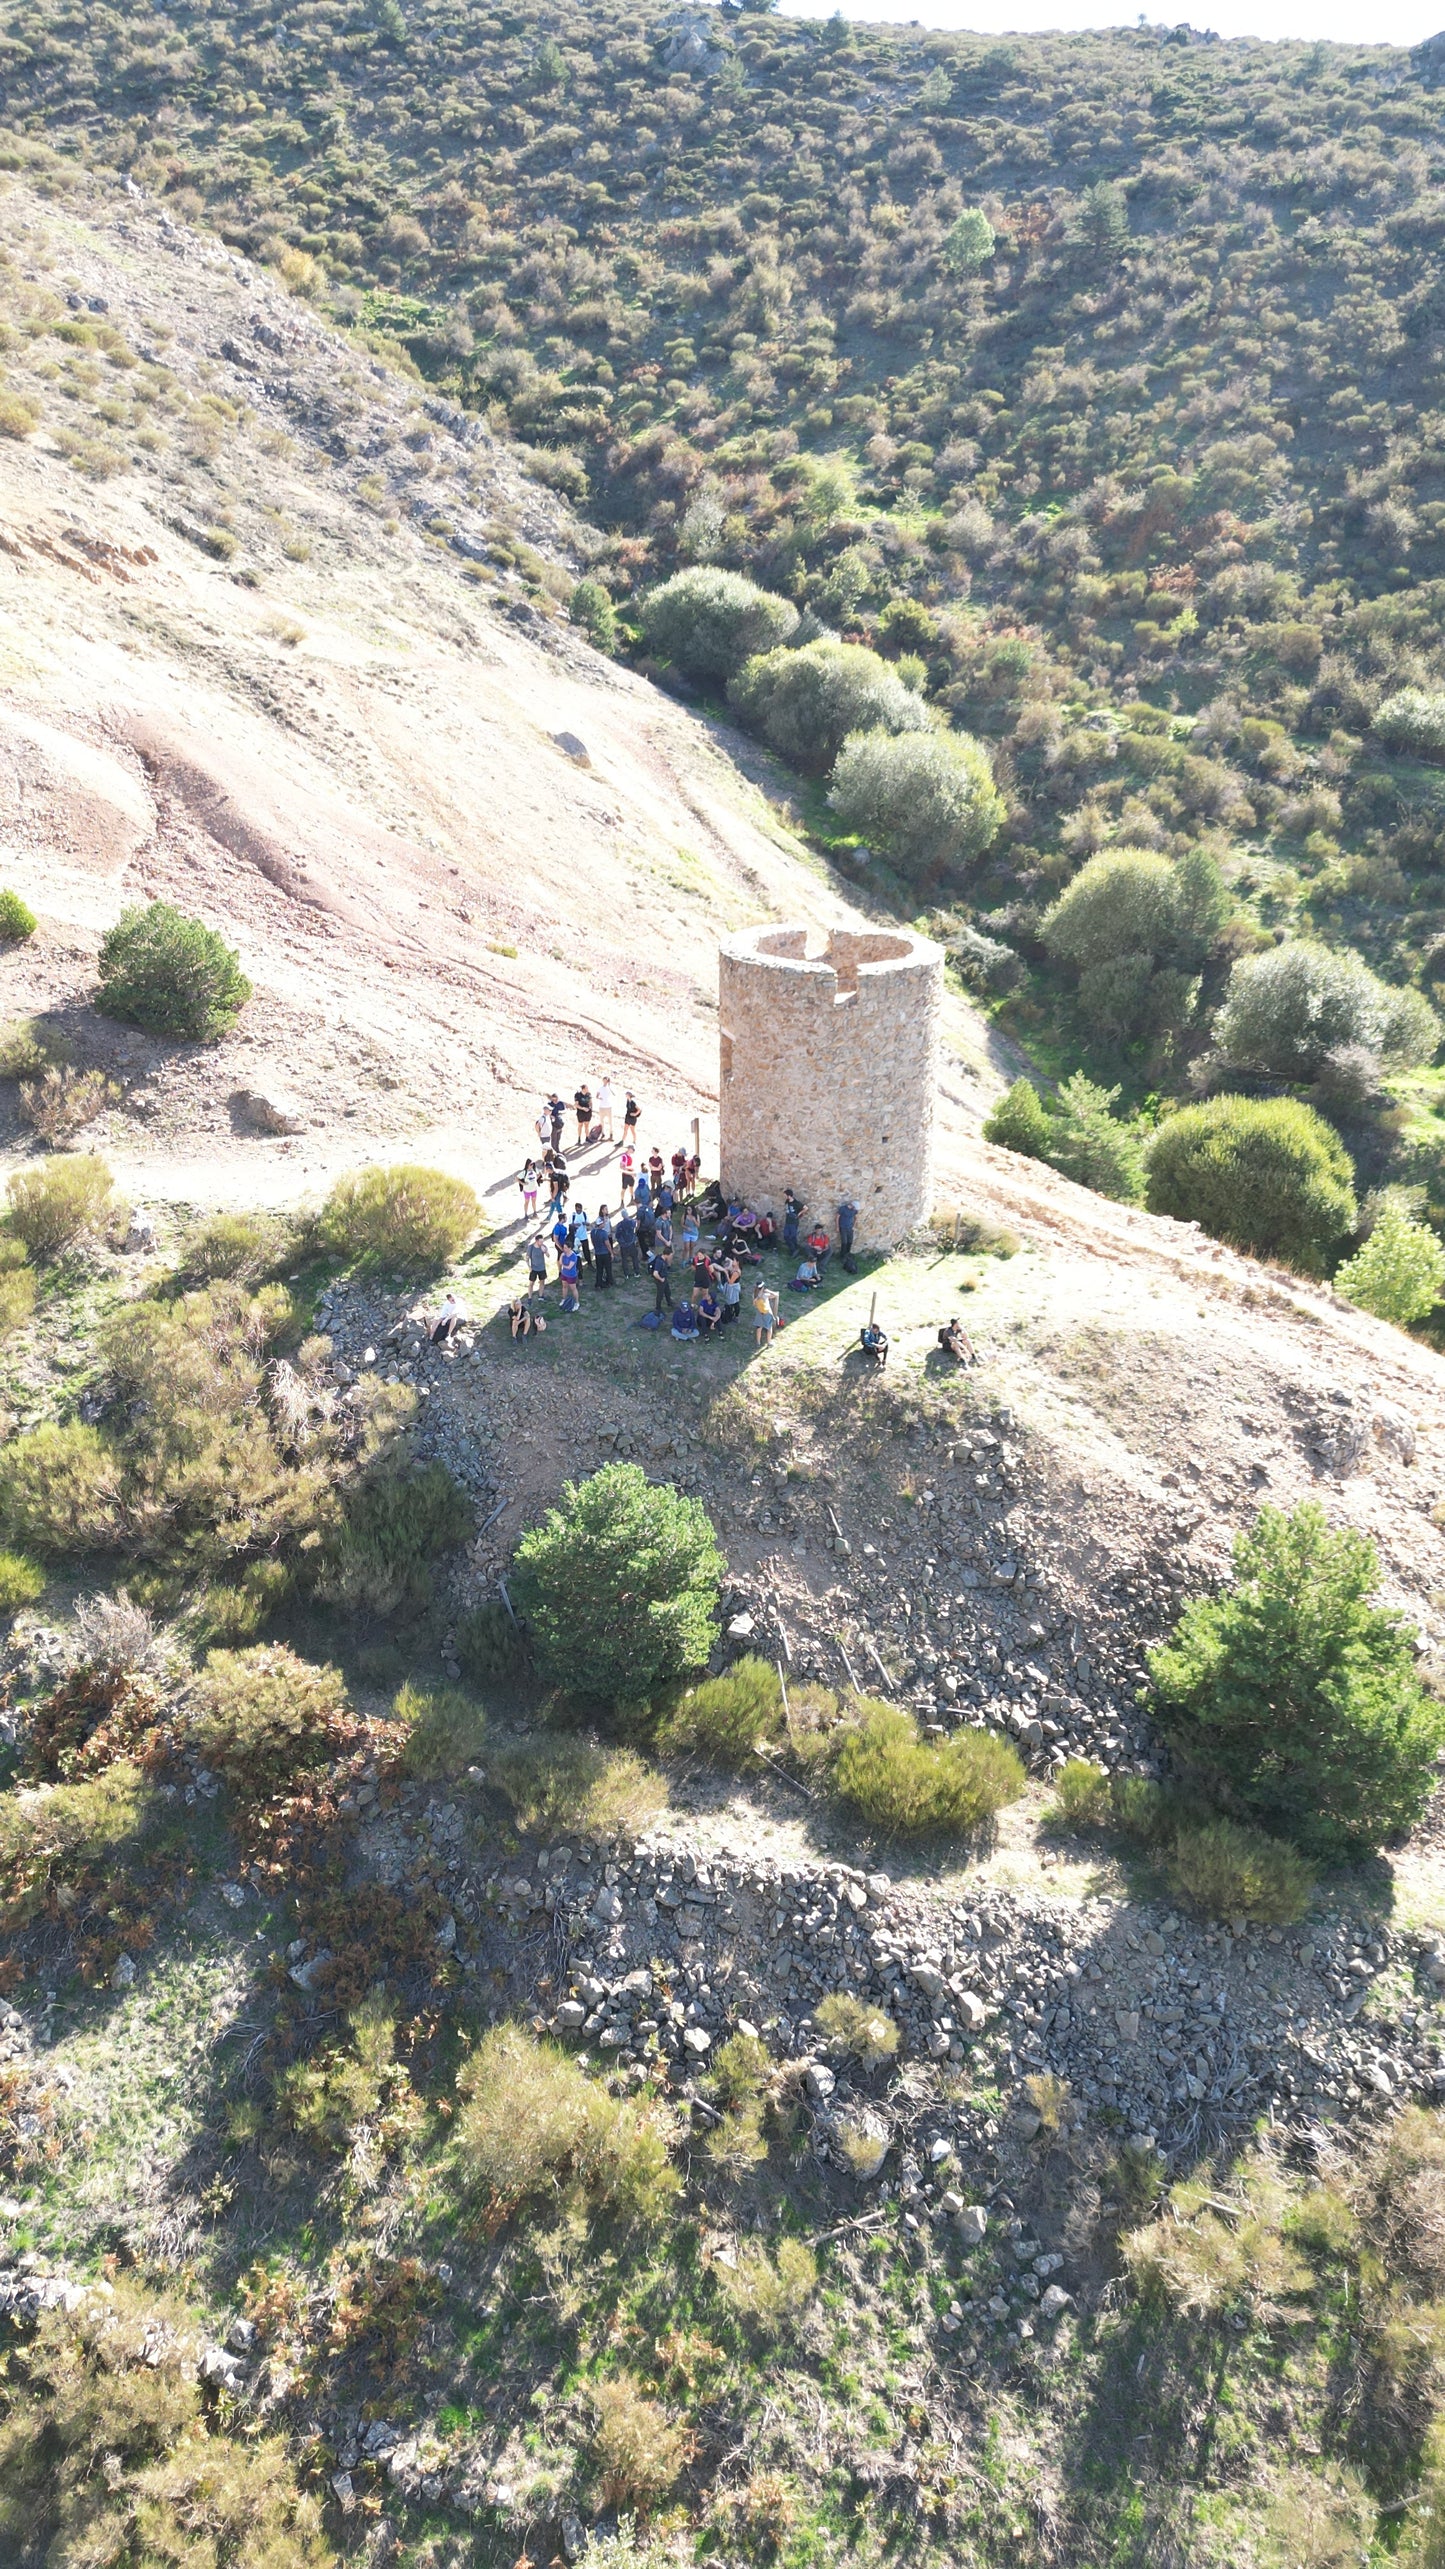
x: 270, y: 1104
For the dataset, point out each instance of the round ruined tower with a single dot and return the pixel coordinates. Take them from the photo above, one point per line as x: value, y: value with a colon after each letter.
x: 828, y: 1072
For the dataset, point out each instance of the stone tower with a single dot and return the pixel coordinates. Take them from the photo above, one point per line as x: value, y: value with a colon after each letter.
x: 829, y: 1066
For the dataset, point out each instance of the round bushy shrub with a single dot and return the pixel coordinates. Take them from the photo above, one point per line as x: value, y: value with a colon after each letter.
x: 53, y: 1208
x: 805, y: 703
x: 620, y: 1585
x: 593, y: 610
x: 1413, y: 722
x: 17, y: 921
x: 1293, y: 1697
x: 709, y: 622
x: 927, y: 798
x: 1293, y: 1010
x: 906, y: 1787
x: 414, y: 1220
x: 727, y: 1717
x: 1266, y: 1174
x: 969, y: 244
x: 262, y: 1717
x: 1128, y: 901
x: 170, y: 974
x: 1020, y: 1122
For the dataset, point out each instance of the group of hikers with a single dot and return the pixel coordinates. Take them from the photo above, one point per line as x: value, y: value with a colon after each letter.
x: 665, y: 1226
x: 701, y: 1250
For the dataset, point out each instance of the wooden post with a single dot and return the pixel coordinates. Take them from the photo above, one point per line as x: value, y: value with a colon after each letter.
x: 872, y: 1310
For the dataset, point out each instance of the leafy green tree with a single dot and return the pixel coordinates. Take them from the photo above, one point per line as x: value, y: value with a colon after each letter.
x: 1298, y: 1008
x: 805, y: 703
x: 620, y: 1585
x: 1293, y: 1696
x: 1020, y: 1122
x: 926, y: 797
x: 170, y: 974
x: 970, y: 243
x: 709, y: 622
x: 1268, y: 1174
x: 1399, y: 1274
x: 1089, y: 1143
x: 17, y: 920
x: 1129, y: 901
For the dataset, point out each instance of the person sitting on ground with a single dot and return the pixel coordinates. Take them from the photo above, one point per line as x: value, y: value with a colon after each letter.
x: 684, y: 1321
x: 708, y: 1308
x: 955, y: 1341
x: 805, y: 1281
x: 527, y: 1320
x: 874, y: 1342
x: 819, y: 1245
x: 447, y: 1322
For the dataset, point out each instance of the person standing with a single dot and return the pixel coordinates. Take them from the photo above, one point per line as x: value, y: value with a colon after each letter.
x: 627, y: 1243
x: 661, y: 1276
x: 847, y: 1216
x: 627, y: 1165
x: 528, y: 1183
x: 556, y: 1116
x: 792, y: 1214
x: 568, y: 1267
x: 602, y: 1249
x: 765, y: 1318
x: 604, y: 1107
x: 537, y: 1262
x: 630, y: 1113
x: 654, y: 1169
x: 582, y: 1100
x: 544, y: 1124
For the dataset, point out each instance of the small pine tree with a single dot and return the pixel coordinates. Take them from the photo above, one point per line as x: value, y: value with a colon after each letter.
x: 1399, y: 1274
x: 170, y: 974
x: 1088, y: 1142
x: 620, y: 1585
x: 1293, y: 1696
x: 593, y: 610
x: 17, y: 920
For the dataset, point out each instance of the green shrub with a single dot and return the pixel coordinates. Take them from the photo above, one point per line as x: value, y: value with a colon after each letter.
x: 709, y: 622
x: 805, y: 703
x: 1129, y: 902
x: 260, y: 1718
x: 19, y: 415
x: 490, y: 1646
x: 170, y: 974
x: 52, y: 1834
x: 21, y: 1581
x: 445, y: 1729
x: 110, y: 2452
x: 236, y: 1247
x: 60, y: 1491
x: 26, y: 1048
x: 926, y: 798
x: 619, y: 1585
x: 412, y: 1220
x: 1082, y: 1797
x: 1266, y: 1174
x: 54, y: 1208
x: 1019, y: 1122
x: 726, y: 1717
x: 532, y: 2123
x: 18, y: 1286
x: 395, y: 1524
x: 771, y: 2294
x: 905, y: 1787
x: 1413, y: 723
x: 572, y: 1787
x: 638, y: 2451
x: 16, y: 921
x: 1399, y: 1274
x: 61, y: 1102
x: 865, y: 2032
x: 969, y: 243
x: 1293, y: 1696
x: 1225, y: 1871
x: 1298, y: 1008
x: 329, y: 2097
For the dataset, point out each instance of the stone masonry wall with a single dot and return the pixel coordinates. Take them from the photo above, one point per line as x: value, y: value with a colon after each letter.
x: 829, y: 1071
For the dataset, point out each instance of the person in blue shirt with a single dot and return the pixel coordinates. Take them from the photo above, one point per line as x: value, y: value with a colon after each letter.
x: 684, y: 1321
x: 627, y: 1245
x: 602, y: 1248
x: 569, y: 1268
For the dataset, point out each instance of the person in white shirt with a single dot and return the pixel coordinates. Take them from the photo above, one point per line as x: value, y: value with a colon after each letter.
x: 604, y: 1109
x: 448, y: 1321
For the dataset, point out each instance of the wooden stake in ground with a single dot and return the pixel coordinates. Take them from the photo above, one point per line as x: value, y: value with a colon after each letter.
x: 872, y: 1311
